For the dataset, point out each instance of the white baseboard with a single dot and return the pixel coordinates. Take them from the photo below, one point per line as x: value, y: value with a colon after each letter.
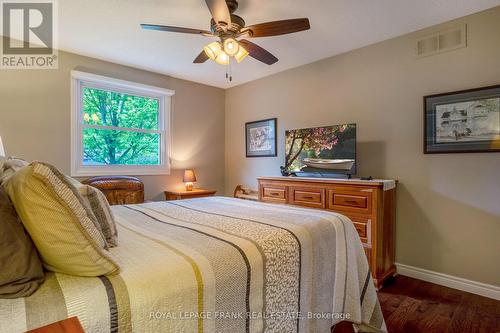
x: 474, y: 287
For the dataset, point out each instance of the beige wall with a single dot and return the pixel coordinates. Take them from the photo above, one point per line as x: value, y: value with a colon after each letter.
x: 35, y: 119
x: 449, y: 204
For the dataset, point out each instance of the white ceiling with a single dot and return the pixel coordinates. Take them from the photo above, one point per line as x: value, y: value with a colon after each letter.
x: 109, y: 30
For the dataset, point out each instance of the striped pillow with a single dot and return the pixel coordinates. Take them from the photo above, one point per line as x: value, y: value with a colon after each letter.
x: 61, y: 224
x: 98, y: 203
x: 100, y: 207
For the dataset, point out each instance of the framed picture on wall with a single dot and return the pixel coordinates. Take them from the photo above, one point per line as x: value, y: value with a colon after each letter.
x: 466, y: 121
x: 261, y: 138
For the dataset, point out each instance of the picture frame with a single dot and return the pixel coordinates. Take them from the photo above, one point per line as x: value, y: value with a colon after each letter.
x: 465, y: 121
x: 261, y: 139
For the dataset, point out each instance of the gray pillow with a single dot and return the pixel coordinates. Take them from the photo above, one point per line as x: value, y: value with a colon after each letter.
x: 21, y: 271
x: 97, y: 202
x: 100, y: 206
x: 10, y: 167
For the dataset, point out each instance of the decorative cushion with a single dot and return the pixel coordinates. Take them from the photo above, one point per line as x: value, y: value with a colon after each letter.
x: 100, y: 207
x: 10, y: 167
x: 61, y: 225
x: 21, y: 271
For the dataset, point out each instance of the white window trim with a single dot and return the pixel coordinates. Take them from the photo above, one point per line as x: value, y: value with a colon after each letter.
x: 82, y: 79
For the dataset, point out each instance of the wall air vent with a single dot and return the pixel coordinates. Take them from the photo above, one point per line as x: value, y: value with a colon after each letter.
x: 442, y: 41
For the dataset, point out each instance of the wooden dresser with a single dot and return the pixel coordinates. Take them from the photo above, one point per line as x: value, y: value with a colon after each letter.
x: 371, y: 209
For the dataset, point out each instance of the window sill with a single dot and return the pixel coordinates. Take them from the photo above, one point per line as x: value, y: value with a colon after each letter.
x: 119, y: 171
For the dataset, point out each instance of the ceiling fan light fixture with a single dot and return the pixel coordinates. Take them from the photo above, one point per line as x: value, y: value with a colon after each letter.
x: 229, y: 29
x: 231, y: 47
x: 242, y: 54
x: 222, y: 58
x: 213, y: 50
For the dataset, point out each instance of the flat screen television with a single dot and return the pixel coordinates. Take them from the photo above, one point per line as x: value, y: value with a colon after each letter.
x: 321, y: 151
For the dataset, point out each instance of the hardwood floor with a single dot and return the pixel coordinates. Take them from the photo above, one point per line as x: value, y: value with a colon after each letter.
x: 415, y: 306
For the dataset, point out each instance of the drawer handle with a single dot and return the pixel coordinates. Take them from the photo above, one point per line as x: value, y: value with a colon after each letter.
x: 274, y: 193
x: 308, y: 197
x: 352, y: 202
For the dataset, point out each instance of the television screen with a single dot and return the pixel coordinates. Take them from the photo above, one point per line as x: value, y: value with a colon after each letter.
x: 321, y: 150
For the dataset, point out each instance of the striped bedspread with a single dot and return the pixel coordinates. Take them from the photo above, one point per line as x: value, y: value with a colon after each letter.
x: 216, y: 265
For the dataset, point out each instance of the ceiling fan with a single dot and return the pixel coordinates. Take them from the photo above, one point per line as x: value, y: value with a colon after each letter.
x: 229, y: 28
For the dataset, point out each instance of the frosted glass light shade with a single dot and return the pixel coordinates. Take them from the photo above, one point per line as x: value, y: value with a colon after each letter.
x: 231, y: 47
x: 222, y: 58
x: 221, y: 53
x: 212, y: 50
x: 242, y: 54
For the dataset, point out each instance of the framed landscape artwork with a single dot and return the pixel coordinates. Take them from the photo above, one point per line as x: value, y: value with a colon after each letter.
x: 465, y: 121
x: 260, y: 138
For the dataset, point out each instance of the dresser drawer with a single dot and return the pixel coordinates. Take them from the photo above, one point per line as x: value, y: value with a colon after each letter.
x: 307, y: 196
x: 360, y: 228
x: 363, y: 227
x: 350, y: 200
x: 274, y: 193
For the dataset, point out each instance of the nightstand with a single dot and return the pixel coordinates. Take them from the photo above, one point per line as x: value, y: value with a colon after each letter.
x: 183, y: 194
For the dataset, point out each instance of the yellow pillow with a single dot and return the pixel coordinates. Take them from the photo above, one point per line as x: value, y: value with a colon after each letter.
x: 61, y: 225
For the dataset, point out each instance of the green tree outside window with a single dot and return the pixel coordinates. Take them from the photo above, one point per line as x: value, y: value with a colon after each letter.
x: 120, y: 129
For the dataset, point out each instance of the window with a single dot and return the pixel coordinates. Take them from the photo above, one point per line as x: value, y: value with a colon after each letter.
x: 118, y: 127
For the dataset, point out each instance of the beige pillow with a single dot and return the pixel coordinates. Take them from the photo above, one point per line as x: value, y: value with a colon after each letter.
x: 97, y: 201
x: 10, y: 167
x: 21, y: 271
x: 61, y: 225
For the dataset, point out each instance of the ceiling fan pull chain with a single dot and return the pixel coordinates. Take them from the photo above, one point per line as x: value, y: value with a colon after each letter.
x: 229, y: 74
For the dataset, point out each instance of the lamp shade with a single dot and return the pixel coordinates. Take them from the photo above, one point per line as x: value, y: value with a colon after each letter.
x: 241, y: 54
x: 2, y: 151
x: 222, y: 58
x: 212, y: 50
x: 189, y: 176
x: 231, y: 47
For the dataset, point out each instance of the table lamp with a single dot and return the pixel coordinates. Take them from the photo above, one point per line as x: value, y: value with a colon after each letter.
x: 2, y: 151
x: 188, y: 179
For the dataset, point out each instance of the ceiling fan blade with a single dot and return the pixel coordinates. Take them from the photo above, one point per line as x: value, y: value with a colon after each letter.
x: 201, y: 58
x: 176, y: 29
x: 258, y: 52
x: 278, y: 27
x: 219, y: 10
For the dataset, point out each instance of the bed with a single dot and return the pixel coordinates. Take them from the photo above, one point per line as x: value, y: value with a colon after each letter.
x: 216, y: 265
